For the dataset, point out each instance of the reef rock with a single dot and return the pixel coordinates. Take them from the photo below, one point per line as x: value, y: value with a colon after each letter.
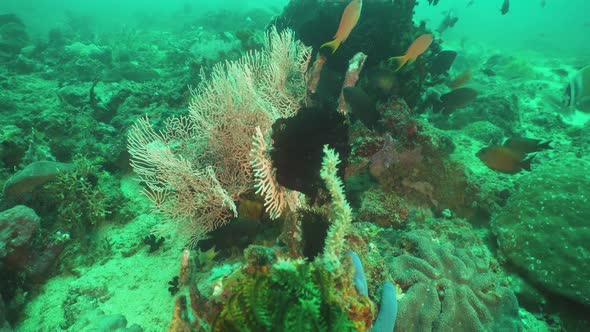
x: 503, y: 112
x: 13, y: 36
x: 34, y: 175
x: 17, y: 227
x: 543, y: 229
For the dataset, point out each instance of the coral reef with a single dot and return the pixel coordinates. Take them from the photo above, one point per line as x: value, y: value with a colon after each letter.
x: 413, y: 160
x: 503, y: 112
x: 199, y: 164
x: 271, y: 292
x: 290, y: 297
x: 386, y: 209
x: 17, y: 227
x: 449, y: 289
x: 297, y: 147
x: 421, y: 202
x: 82, y: 197
x: 386, y: 34
x: 34, y: 176
x: 543, y: 228
x: 13, y: 37
x: 485, y: 131
x: 26, y: 257
x: 389, y: 32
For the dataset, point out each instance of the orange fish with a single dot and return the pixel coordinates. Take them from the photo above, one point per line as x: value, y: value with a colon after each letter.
x: 503, y: 159
x: 419, y: 46
x: 350, y: 17
x: 460, y: 80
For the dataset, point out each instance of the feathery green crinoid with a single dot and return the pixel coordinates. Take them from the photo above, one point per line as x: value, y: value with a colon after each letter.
x: 292, y: 296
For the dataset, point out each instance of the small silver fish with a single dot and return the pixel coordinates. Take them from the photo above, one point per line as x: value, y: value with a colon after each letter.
x: 577, y: 92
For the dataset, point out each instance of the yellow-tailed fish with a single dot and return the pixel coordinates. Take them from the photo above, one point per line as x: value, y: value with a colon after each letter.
x: 419, y: 46
x: 349, y: 19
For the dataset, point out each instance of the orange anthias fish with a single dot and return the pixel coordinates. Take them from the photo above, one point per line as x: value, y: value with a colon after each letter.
x: 511, y: 157
x: 503, y: 159
x: 460, y: 80
x: 419, y: 46
x: 349, y: 19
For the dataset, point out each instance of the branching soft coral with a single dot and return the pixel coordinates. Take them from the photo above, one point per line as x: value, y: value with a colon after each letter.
x: 198, y: 165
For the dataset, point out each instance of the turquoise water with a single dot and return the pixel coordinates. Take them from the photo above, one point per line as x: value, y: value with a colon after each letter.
x: 558, y: 28
x: 260, y: 166
x: 112, y: 15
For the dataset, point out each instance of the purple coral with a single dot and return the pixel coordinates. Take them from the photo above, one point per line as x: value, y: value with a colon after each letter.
x: 394, y: 154
x: 450, y: 289
x: 383, y: 158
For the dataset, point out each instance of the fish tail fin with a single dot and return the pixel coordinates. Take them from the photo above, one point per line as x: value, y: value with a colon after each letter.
x: 401, y: 60
x: 526, y: 164
x: 544, y: 146
x: 334, y: 44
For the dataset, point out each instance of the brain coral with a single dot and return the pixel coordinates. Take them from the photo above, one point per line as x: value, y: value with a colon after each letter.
x: 449, y: 289
x: 544, y: 229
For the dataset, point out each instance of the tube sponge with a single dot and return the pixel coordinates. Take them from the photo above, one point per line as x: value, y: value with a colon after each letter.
x: 387, y: 310
x: 360, y: 282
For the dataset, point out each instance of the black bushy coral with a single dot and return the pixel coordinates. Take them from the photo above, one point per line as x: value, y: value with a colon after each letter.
x: 174, y: 285
x: 314, y: 229
x: 297, y: 147
x: 292, y: 297
x: 154, y: 242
